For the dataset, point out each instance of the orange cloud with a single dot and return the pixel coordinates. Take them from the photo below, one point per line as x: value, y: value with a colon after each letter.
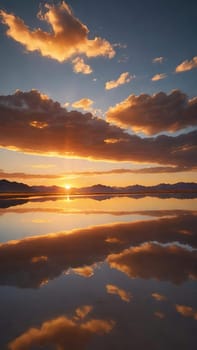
x: 79, y: 66
x: 84, y: 103
x: 85, y: 271
x: 156, y: 113
x: 63, y: 332
x: 187, y: 65
x: 186, y: 311
x: 73, y: 134
x: 112, y: 289
x: 160, y: 76
x: 124, y: 78
x: 67, y: 38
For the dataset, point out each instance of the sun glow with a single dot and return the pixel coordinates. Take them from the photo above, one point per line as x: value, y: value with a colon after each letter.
x: 67, y: 187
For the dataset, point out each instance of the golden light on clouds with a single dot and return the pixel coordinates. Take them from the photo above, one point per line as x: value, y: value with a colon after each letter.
x: 155, y: 113
x: 79, y: 66
x: 67, y: 38
x: 77, y: 135
x: 38, y: 125
x: 124, y: 78
x: 160, y: 76
x: 187, y: 65
x: 84, y: 103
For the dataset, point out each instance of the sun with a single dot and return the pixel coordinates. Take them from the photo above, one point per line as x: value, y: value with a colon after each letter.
x: 67, y: 187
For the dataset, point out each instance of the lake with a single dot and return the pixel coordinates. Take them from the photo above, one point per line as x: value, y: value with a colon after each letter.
x: 98, y: 272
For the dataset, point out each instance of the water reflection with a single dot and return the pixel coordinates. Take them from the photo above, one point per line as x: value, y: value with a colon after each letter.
x: 63, y: 332
x: 111, y: 285
x: 186, y: 311
x: 30, y: 261
x: 123, y: 294
x: 151, y: 260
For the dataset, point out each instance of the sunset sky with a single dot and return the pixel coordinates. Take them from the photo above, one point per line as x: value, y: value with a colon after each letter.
x: 98, y: 92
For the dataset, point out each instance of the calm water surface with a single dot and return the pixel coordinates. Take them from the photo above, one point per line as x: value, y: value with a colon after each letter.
x: 98, y: 273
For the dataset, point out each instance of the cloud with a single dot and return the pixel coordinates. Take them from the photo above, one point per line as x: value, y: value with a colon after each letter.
x: 148, y: 170
x: 85, y: 271
x: 73, y: 134
x: 156, y: 113
x: 63, y: 332
x: 67, y: 38
x: 21, y: 175
x: 159, y: 297
x: 160, y: 76
x: 186, y: 311
x: 30, y: 262
x: 158, y: 59
x: 120, y: 45
x: 187, y: 65
x: 83, y: 311
x: 79, y: 66
x: 124, y: 78
x: 112, y: 289
x: 152, y: 260
x: 84, y: 103
x: 66, y: 104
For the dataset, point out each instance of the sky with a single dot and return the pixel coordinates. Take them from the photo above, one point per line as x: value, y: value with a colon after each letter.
x: 98, y: 92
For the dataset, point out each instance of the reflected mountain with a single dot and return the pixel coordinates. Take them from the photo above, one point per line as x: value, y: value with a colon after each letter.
x: 7, y: 202
x: 29, y: 262
x: 13, y: 200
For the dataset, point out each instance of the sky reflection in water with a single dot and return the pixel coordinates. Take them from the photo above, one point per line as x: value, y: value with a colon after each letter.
x: 91, y: 274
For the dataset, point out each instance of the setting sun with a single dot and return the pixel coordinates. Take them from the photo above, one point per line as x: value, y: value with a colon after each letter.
x: 98, y: 174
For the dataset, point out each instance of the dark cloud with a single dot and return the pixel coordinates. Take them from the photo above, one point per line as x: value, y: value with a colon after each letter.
x: 150, y: 260
x: 29, y: 262
x: 31, y: 122
x: 154, y: 114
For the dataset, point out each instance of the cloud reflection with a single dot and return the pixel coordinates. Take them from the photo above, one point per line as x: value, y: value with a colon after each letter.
x: 151, y: 260
x: 186, y: 311
x: 28, y: 262
x: 124, y: 295
x: 63, y: 332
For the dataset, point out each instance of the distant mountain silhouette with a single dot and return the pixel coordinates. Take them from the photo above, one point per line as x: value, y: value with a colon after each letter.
x: 180, y: 187
x: 139, y: 189
x: 7, y: 186
x: 17, y: 187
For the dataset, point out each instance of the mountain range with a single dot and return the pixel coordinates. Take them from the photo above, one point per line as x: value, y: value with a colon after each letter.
x: 17, y: 187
